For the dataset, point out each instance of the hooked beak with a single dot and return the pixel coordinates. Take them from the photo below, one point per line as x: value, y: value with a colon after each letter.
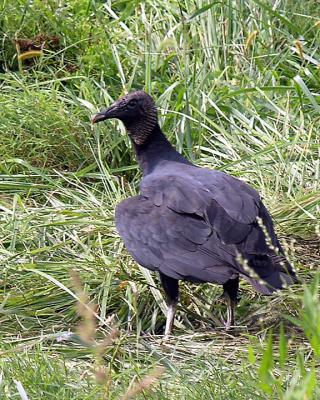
x: 110, y: 112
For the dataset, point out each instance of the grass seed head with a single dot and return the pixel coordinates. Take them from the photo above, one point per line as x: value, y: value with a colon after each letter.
x: 250, y: 40
x: 144, y: 384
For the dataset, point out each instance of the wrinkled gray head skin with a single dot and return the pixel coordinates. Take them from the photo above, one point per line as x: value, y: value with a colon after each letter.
x: 138, y: 113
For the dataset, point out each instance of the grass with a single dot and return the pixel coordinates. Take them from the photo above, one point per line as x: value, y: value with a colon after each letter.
x: 237, y: 87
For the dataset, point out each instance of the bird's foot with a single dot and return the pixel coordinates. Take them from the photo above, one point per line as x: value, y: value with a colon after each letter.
x: 228, y: 325
x: 166, y: 338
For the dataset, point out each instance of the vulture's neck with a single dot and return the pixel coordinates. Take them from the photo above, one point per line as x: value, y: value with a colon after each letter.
x: 156, y: 151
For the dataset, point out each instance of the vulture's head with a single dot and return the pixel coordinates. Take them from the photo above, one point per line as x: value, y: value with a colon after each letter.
x: 138, y: 113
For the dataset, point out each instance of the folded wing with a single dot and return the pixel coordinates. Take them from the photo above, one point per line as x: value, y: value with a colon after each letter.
x: 209, y: 227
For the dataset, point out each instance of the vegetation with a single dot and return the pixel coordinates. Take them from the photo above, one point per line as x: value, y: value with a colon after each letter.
x: 237, y: 84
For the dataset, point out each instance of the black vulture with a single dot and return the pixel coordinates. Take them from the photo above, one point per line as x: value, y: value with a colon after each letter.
x: 191, y: 223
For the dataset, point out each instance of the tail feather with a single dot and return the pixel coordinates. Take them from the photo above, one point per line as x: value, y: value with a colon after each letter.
x: 275, y: 281
x: 271, y: 273
x: 270, y: 268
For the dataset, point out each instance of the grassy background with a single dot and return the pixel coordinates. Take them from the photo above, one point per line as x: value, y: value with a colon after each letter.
x: 237, y: 85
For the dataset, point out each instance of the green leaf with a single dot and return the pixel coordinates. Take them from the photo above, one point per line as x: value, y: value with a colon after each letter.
x: 306, y: 92
x: 265, y: 369
x: 283, y: 347
x: 203, y: 9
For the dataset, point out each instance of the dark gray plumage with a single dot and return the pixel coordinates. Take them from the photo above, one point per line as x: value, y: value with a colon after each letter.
x: 193, y: 223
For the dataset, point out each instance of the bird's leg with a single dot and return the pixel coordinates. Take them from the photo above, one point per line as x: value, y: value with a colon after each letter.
x: 230, y: 313
x: 171, y: 289
x: 170, y: 319
x: 230, y: 291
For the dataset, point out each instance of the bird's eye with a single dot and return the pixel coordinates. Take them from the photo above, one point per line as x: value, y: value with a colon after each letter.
x: 132, y: 103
